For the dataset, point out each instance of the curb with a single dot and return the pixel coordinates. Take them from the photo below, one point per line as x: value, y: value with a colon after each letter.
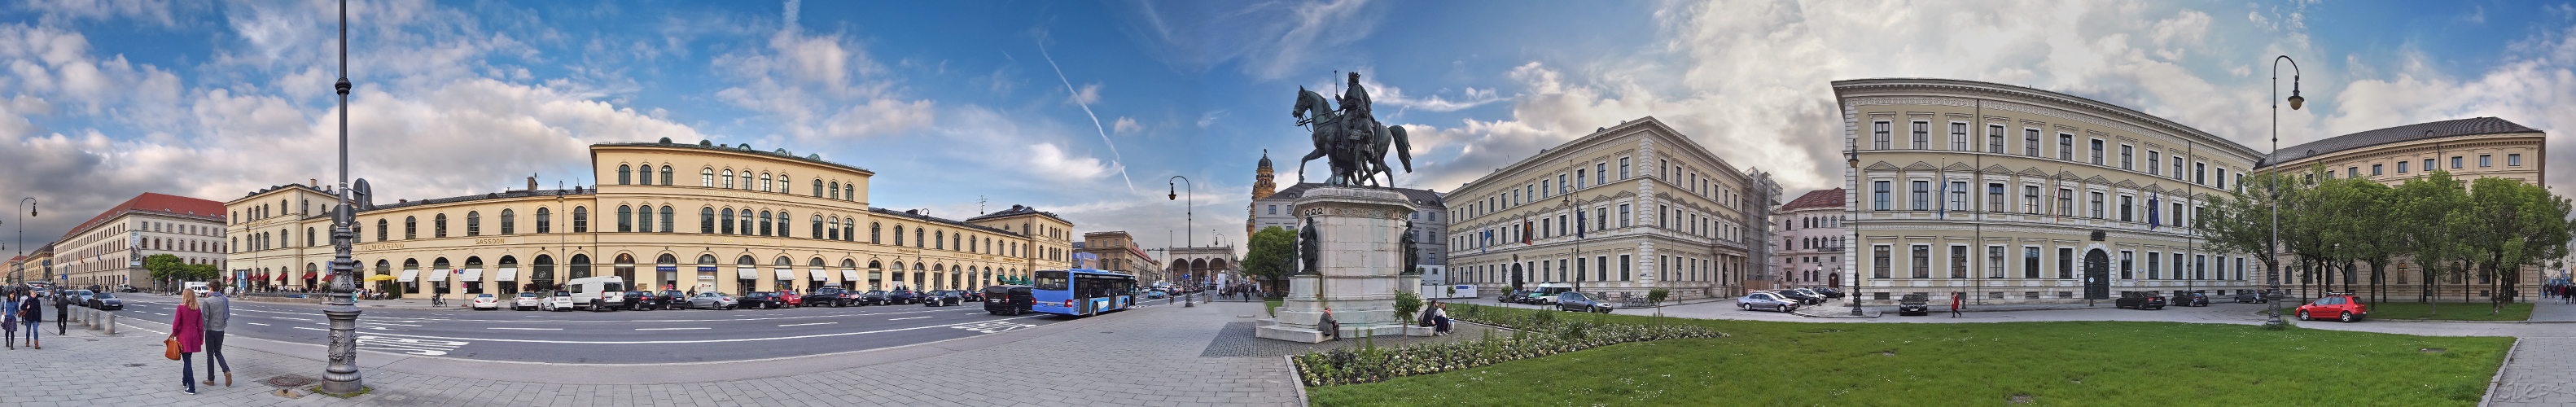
x: 1804, y: 314
x: 1299, y: 379
x: 2484, y: 400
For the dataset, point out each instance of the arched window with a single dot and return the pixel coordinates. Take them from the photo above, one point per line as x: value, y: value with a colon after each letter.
x: 850, y: 230
x: 898, y: 235
x: 747, y: 227
x: 706, y: 260
x: 834, y: 234
x: 786, y: 185
x: 764, y: 223
x: 645, y: 174
x: 381, y: 230
x: 783, y: 225
x: 545, y: 220
x: 917, y: 241
x: 666, y: 175
x: 850, y: 192
x: 438, y: 227
x: 509, y: 222
x: 473, y: 223
x: 728, y: 221
x: 728, y: 179
x: 939, y: 240
x: 818, y: 187
x: 666, y: 219
x: 876, y: 235
x: 580, y: 219
x: 411, y: 227
x: 308, y: 237
x: 706, y: 220
x: 580, y: 267
x: 764, y: 182
x: 644, y: 219
x: 814, y: 262
x: 624, y: 174
x: 707, y: 177
x: 836, y: 188
x: 543, y: 273
x: 625, y: 218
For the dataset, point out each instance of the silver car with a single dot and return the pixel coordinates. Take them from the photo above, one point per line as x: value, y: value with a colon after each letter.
x: 713, y: 300
x: 1766, y: 301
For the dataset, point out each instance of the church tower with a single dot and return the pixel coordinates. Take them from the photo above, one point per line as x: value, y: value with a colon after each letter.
x: 1262, y: 188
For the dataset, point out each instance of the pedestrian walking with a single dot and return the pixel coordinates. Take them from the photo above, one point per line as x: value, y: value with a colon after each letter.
x: 31, y: 314
x: 1955, y: 302
x: 9, y: 319
x: 188, y: 327
x: 62, y: 307
x: 216, y: 310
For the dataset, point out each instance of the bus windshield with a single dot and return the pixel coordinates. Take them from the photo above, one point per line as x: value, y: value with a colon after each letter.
x: 1051, y: 280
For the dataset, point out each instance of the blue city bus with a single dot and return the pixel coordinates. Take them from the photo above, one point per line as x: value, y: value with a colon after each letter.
x: 1082, y: 291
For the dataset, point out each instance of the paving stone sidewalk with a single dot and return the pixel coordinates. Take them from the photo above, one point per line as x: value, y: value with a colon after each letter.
x: 1145, y: 357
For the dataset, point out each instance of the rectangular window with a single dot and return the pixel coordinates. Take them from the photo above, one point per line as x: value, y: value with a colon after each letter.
x: 2200, y: 173
x: 1922, y: 266
x: 2177, y: 167
x: 2128, y: 259
x: 2065, y: 201
x: 2485, y: 160
x: 2199, y: 266
x: 2030, y: 142
x: 1623, y: 216
x: 2153, y: 158
x: 2097, y: 205
x: 1878, y: 195
x: 1958, y: 136
x: 2350, y: 172
x: 1878, y: 261
x: 2374, y: 170
x: 1994, y: 262
x: 2065, y: 146
x: 2177, y: 265
x: 2455, y: 162
x: 1623, y: 268
x: 2153, y: 269
x: 1578, y: 179
x: 2127, y: 152
x: 2066, y: 263
x: 1623, y: 168
x: 2095, y: 153
x: 2030, y: 262
x: 1922, y: 135
x: 2401, y: 167
x: 1879, y: 130
x: 2428, y: 165
x: 2125, y: 205
x: 1958, y: 196
x: 1958, y: 261
x: 1274, y: 209
x: 1600, y: 173
x: 2512, y: 159
x: 1922, y: 196
x: 1560, y: 184
x: 1994, y: 197
x: 2222, y: 178
x: 1995, y: 138
x: 2030, y: 199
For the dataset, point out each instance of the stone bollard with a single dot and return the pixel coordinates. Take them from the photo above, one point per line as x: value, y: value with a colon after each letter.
x: 98, y: 319
x: 111, y: 323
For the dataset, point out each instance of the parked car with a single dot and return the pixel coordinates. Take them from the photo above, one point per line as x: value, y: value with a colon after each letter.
x: 2251, y: 297
x: 1801, y: 297
x: 2191, y: 299
x: 78, y: 296
x: 1512, y: 297
x: 1538, y: 298
x: 971, y: 295
x: 560, y: 301
x: 527, y: 300
x: 2337, y: 306
x: 873, y: 297
x: 853, y: 297
x: 1156, y: 294
x: 105, y: 302
x: 901, y: 296
x: 942, y: 298
x: 789, y: 299
x: 760, y: 300
x: 641, y: 300
x: 1580, y: 302
x: 1764, y: 300
x: 825, y: 297
x: 713, y: 300
x: 486, y: 301
x: 601, y: 293
x: 1829, y: 293
x: 673, y: 299
x: 1810, y: 292
x: 2139, y: 300
x: 1008, y: 299
x: 1914, y: 304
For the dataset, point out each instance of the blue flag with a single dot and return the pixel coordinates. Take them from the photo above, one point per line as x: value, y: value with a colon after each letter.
x: 1578, y: 224
x: 2152, y: 219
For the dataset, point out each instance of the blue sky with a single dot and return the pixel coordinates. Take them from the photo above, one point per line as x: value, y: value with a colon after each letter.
x: 1086, y: 108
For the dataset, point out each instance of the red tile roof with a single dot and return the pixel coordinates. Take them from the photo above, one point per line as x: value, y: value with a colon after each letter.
x: 152, y: 202
x: 1822, y: 198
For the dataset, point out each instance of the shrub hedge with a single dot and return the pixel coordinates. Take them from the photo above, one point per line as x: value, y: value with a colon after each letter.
x: 1540, y: 334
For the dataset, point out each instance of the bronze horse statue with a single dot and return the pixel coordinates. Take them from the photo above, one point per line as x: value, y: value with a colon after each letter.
x: 1355, y: 147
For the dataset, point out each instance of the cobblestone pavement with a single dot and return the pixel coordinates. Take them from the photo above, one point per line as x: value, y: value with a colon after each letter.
x: 2541, y: 372
x: 1145, y: 357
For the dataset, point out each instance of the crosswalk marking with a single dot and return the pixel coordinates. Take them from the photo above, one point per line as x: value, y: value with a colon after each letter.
x: 994, y: 327
x: 423, y: 347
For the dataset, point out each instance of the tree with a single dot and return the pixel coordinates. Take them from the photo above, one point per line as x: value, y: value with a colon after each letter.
x: 2241, y: 222
x: 1268, y: 256
x: 2427, y: 222
x: 163, y: 268
x: 2358, y: 213
x: 2517, y: 225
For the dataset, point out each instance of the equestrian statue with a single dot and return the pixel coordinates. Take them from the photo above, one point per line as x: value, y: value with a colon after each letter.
x: 1350, y: 139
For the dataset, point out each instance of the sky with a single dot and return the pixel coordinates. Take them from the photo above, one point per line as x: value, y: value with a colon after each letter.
x: 1079, y: 108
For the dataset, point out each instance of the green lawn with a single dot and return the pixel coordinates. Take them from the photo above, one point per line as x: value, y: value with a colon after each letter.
x: 1272, y: 305
x: 2049, y: 363
x: 2450, y: 311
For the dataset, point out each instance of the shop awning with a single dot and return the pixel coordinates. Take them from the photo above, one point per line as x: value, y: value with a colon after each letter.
x: 509, y: 274
x: 819, y: 275
x: 849, y: 275
x: 310, y: 275
x: 473, y: 274
x: 439, y: 275
x: 786, y: 274
x: 408, y: 276
x: 748, y: 273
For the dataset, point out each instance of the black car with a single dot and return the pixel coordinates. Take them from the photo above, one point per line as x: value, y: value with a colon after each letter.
x: 105, y: 302
x: 1574, y: 301
x: 1801, y: 297
x: 2191, y: 299
x: 873, y: 297
x: 762, y: 299
x: 972, y: 295
x: 1829, y: 293
x: 2139, y: 300
x: 825, y: 297
x: 942, y: 298
x: 672, y: 299
x: 899, y: 296
x: 1008, y: 299
x: 2250, y: 297
x: 1914, y: 304
x: 642, y: 300
x: 1512, y: 297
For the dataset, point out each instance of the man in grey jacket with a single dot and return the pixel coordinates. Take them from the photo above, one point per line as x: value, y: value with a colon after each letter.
x: 214, y: 310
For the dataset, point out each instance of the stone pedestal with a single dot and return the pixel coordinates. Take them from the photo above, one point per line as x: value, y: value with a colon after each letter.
x: 1362, y: 266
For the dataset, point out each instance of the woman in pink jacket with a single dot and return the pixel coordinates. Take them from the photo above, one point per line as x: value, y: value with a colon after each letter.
x: 189, y: 329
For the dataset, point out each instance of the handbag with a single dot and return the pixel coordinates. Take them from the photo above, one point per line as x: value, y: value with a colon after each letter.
x: 170, y: 348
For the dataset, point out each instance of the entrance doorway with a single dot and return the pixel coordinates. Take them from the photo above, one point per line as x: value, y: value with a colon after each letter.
x: 2097, y: 275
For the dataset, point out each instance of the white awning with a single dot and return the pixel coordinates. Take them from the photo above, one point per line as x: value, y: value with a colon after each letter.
x: 849, y: 275
x: 438, y: 275
x: 786, y: 274
x: 408, y: 276
x: 473, y: 274
x: 748, y: 273
x: 819, y: 275
x: 509, y: 274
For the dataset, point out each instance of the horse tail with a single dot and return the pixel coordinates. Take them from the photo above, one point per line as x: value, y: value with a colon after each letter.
x: 1403, y: 148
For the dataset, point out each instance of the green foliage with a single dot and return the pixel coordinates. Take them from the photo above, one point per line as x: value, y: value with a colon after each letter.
x: 1406, y: 303
x: 2520, y: 311
x: 164, y: 267
x: 1270, y: 251
x: 1658, y: 295
x: 1370, y: 363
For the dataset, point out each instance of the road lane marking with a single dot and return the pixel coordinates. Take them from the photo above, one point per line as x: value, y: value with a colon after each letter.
x: 381, y: 323
x: 816, y: 323
x: 995, y: 327
x: 532, y: 329
x: 699, y: 341
x: 256, y: 323
x: 423, y: 347
x: 900, y: 319
x: 664, y: 329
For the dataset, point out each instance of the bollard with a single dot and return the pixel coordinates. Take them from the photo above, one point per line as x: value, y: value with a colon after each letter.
x: 100, y: 318
x: 111, y: 323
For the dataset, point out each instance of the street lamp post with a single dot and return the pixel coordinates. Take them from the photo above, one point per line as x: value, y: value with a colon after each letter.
x: 1187, y: 214
x: 16, y: 275
x: 2271, y: 247
x: 1851, y: 160
x: 341, y: 377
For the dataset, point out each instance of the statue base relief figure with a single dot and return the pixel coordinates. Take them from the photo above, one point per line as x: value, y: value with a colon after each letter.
x: 1351, y: 263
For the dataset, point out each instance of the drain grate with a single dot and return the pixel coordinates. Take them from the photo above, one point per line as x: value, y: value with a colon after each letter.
x: 133, y: 365
x: 289, y: 381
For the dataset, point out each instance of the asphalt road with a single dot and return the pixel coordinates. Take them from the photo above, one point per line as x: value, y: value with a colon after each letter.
x: 618, y: 337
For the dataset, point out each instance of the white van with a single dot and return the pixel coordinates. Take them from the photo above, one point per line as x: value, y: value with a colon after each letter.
x: 609, y: 290
x: 197, y: 286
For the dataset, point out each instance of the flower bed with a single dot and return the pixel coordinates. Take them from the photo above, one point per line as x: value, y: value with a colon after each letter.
x: 1540, y: 335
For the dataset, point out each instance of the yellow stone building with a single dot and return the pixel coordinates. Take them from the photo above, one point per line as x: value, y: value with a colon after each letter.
x: 701, y: 217
x: 2483, y: 147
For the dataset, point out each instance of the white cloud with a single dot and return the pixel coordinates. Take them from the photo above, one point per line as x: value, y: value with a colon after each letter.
x: 1050, y: 160
x: 1089, y: 94
x: 1272, y: 39
x: 821, y: 88
x: 1127, y: 125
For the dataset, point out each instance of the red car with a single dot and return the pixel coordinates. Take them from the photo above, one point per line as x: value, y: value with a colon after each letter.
x: 791, y: 299
x: 2339, y: 306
